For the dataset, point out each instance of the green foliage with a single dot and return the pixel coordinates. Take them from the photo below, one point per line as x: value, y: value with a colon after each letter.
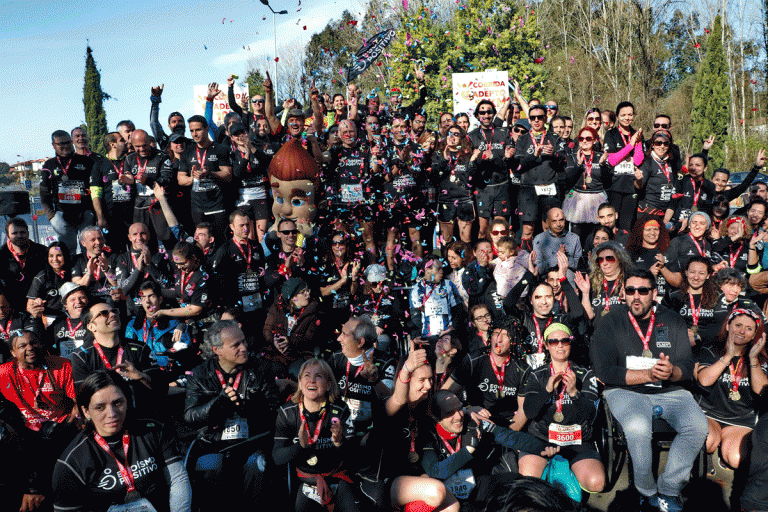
x: 481, y: 35
x: 255, y: 81
x: 6, y: 177
x: 331, y: 51
x: 683, y: 55
x: 93, y: 101
x: 711, y: 113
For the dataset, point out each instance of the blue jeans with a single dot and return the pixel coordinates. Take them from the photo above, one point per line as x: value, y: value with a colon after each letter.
x: 634, y: 411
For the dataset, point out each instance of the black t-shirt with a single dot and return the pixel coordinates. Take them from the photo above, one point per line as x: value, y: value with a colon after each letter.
x: 454, y: 177
x: 350, y: 174
x: 736, y: 254
x: 477, y: 377
x: 46, y: 286
x: 156, y: 168
x: 68, y: 335
x: 17, y: 275
x: 576, y: 173
x: 705, y: 190
x: 646, y: 258
x: 99, y: 285
x: 623, y: 172
x: 87, y: 360
x: 87, y: 478
x: 495, y: 170
x: 207, y: 195
x: 239, y: 273
x: 250, y: 175
x: 542, y: 169
x: 715, y: 399
x: 119, y: 199
x: 65, y: 186
x: 159, y: 271
x: 660, y: 185
x: 682, y: 248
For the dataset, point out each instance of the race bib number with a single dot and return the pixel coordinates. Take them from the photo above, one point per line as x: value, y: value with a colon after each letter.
x: 640, y: 363
x: 251, y: 194
x: 66, y: 347
x: 666, y: 192
x: 340, y: 300
x: 535, y: 360
x: 203, y: 185
x: 436, y: 307
x: 564, y: 435
x: 248, y: 283
x: 359, y: 410
x: 71, y: 192
x: 310, y: 492
x: 143, y: 190
x: 140, y: 505
x: 461, y: 483
x: 352, y: 193
x: 120, y: 192
x: 546, y: 190
x: 251, y: 302
x: 235, y: 428
x: 624, y: 167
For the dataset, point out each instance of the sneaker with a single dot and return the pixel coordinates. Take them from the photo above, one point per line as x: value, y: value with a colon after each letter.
x: 670, y: 503
x: 649, y: 502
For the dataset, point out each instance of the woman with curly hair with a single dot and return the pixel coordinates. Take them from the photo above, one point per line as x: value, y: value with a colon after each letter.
x: 732, y: 374
x: 695, y: 297
x: 647, y: 243
x: 608, y: 264
x: 733, y: 244
x: 452, y: 168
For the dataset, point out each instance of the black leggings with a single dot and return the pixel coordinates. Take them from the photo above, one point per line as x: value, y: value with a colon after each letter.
x: 343, y: 498
x: 626, y: 206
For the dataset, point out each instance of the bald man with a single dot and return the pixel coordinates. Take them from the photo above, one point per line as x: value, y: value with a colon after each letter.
x: 147, y: 165
x: 554, y: 239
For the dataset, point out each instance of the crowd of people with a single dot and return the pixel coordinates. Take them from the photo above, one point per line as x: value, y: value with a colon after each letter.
x: 406, y: 318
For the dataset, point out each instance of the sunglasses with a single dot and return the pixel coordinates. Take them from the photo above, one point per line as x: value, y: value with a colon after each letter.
x: 660, y: 143
x: 642, y: 290
x: 550, y: 107
x: 659, y: 125
x: 496, y: 232
x: 257, y: 101
x: 289, y: 231
x: 607, y: 259
x: 454, y: 134
x: 586, y: 139
x: 536, y: 118
x: 520, y: 130
x: 560, y: 341
x: 482, y: 112
x: 338, y: 243
x: 594, y: 119
x: 105, y: 313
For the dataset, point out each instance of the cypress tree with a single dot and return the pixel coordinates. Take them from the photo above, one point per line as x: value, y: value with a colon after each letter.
x: 93, y: 102
x: 711, y: 112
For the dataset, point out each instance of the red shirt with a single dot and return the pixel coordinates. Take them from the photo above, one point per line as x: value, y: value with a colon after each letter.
x: 28, y: 389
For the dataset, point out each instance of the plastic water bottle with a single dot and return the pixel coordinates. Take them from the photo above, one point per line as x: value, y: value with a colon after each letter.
x: 657, y: 411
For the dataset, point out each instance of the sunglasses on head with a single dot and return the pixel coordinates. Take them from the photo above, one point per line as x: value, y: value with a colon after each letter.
x: 660, y: 143
x: 608, y: 259
x: 536, y: 118
x: 289, y: 231
x: 642, y: 290
x: 105, y: 313
x: 586, y: 139
x: 497, y: 232
x: 560, y: 341
x: 665, y: 126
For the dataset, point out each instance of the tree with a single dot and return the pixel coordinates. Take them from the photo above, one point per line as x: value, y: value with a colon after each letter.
x: 328, y: 53
x: 711, y: 98
x: 254, y: 79
x: 93, y: 101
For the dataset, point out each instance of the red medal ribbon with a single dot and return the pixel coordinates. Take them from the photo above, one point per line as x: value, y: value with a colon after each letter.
x: 346, y: 389
x: 646, y: 339
x: 698, y: 247
x: 201, y: 161
x: 539, y: 337
x: 142, y: 170
x: 71, y: 330
x: 64, y: 169
x: 21, y: 260
x: 626, y: 139
x: 736, y: 374
x: 609, y: 295
x: 242, y: 251
x: 561, y: 395
x: 587, y: 166
x: 695, y: 312
x: 104, y: 360
x: 121, y: 170
x: 499, y: 373
x: 184, y: 283
x: 235, y: 385
x: 312, y: 437
x: 7, y: 330
x: 124, y: 472
x: 696, y: 194
x: 732, y: 257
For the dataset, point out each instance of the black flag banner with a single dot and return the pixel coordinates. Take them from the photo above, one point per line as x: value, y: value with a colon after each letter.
x: 369, y: 52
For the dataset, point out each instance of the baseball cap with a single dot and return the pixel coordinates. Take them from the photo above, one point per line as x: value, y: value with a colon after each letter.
x: 237, y: 127
x: 292, y: 287
x: 446, y: 403
x: 177, y: 137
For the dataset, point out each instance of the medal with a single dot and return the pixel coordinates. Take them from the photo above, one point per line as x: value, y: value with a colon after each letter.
x: 647, y: 353
x: 694, y: 329
x: 65, y: 178
x: 644, y: 338
x: 375, y: 320
x: 734, y: 395
x: 604, y: 312
x: 588, y: 180
x: 312, y: 461
x: 453, y: 178
x: 413, y: 457
x: 132, y: 496
x: 558, y: 417
x: 694, y: 209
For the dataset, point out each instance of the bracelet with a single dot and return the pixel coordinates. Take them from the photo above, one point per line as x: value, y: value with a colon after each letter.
x: 564, y: 278
x: 405, y: 365
x: 403, y: 381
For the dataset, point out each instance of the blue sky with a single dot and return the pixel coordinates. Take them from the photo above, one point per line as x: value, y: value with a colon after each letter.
x: 137, y: 45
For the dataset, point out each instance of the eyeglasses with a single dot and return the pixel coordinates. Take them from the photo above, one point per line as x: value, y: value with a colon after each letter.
x: 105, y: 313
x: 594, y: 119
x: 536, y: 118
x: 486, y: 317
x: 550, y: 107
x: 289, y: 231
x: 642, y: 290
x: 454, y: 134
x: 257, y: 101
x: 607, y: 259
x: 497, y: 232
x: 665, y: 126
x: 560, y: 341
x: 483, y: 112
x: 520, y: 130
x: 658, y: 143
x: 586, y: 139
